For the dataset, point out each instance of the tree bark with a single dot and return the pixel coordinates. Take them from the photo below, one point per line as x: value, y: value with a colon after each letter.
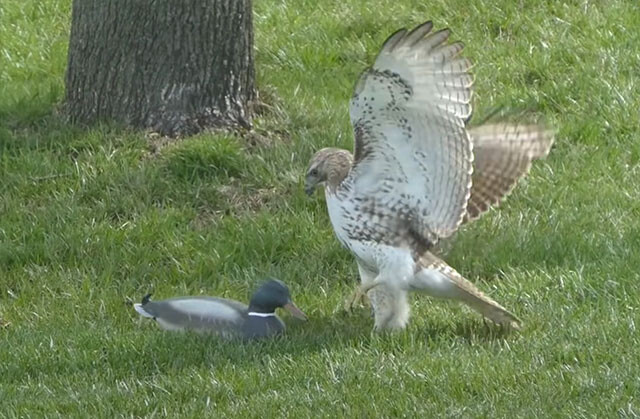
x: 175, y: 67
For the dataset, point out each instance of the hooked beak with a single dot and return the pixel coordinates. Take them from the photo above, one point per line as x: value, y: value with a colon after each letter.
x: 309, y: 188
x: 295, y: 311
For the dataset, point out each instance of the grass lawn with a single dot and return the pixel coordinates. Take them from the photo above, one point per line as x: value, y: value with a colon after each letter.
x: 91, y: 220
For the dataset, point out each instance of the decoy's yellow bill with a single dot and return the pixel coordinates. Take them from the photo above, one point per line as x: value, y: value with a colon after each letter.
x: 295, y: 311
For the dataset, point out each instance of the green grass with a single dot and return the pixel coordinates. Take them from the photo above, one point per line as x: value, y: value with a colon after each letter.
x: 93, y: 219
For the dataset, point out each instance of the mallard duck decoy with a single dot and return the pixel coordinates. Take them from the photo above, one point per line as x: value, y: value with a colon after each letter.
x: 224, y: 317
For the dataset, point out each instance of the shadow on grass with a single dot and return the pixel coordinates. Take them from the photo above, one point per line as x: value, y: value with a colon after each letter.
x: 48, y: 129
x: 332, y: 333
x: 142, y: 350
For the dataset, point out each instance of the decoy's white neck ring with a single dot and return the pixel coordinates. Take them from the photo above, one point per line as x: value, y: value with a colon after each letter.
x: 256, y: 314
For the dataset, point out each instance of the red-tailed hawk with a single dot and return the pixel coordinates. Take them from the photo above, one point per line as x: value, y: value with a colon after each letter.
x: 417, y: 173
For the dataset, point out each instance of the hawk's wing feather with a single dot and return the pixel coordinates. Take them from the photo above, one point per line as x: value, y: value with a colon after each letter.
x: 439, y: 77
x: 413, y: 157
x: 503, y: 154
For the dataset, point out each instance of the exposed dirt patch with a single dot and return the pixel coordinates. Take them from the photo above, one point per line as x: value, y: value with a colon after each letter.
x: 263, y: 138
x: 251, y: 139
x: 157, y: 142
x: 253, y: 200
x: 266, y: 130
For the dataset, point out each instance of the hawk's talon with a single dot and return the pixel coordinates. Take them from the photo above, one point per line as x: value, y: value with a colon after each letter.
x: 365, y: 288
x: 356, y: 299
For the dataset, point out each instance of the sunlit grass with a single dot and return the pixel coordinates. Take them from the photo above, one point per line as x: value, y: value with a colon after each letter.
x: 91, y: 220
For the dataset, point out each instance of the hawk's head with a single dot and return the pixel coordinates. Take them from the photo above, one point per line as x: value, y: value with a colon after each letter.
x: 328, y: 166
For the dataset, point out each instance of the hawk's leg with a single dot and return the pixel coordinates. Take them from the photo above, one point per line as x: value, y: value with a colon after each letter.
x: 363, y: 289
x: 357, y: 296
x: 356, y: 299
x: 390, y: 307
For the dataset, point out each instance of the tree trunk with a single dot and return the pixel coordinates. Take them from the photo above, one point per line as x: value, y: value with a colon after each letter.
x: 174, y: 67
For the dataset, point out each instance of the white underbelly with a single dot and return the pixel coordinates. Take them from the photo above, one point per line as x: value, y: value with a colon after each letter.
x: 375, y: 257
x: 337, y: 218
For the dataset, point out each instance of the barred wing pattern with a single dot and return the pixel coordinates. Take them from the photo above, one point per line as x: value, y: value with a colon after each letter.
x: 503, y: 154
x: 412, y: 168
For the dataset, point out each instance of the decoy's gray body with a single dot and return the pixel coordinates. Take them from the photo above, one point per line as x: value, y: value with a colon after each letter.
x: 223, y: 317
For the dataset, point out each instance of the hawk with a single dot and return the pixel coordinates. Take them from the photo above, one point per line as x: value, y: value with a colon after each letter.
x: 418, y: 172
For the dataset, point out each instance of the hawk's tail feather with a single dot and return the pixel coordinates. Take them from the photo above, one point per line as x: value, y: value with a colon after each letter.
x: 487, y: 306
x: 441, y: 280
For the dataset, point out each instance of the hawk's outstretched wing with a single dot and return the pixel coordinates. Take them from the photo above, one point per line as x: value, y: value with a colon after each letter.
x: 413, y: 157
x: 503, y: 154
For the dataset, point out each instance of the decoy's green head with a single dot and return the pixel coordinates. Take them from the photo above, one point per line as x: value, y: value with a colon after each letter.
x: 274, y: 294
